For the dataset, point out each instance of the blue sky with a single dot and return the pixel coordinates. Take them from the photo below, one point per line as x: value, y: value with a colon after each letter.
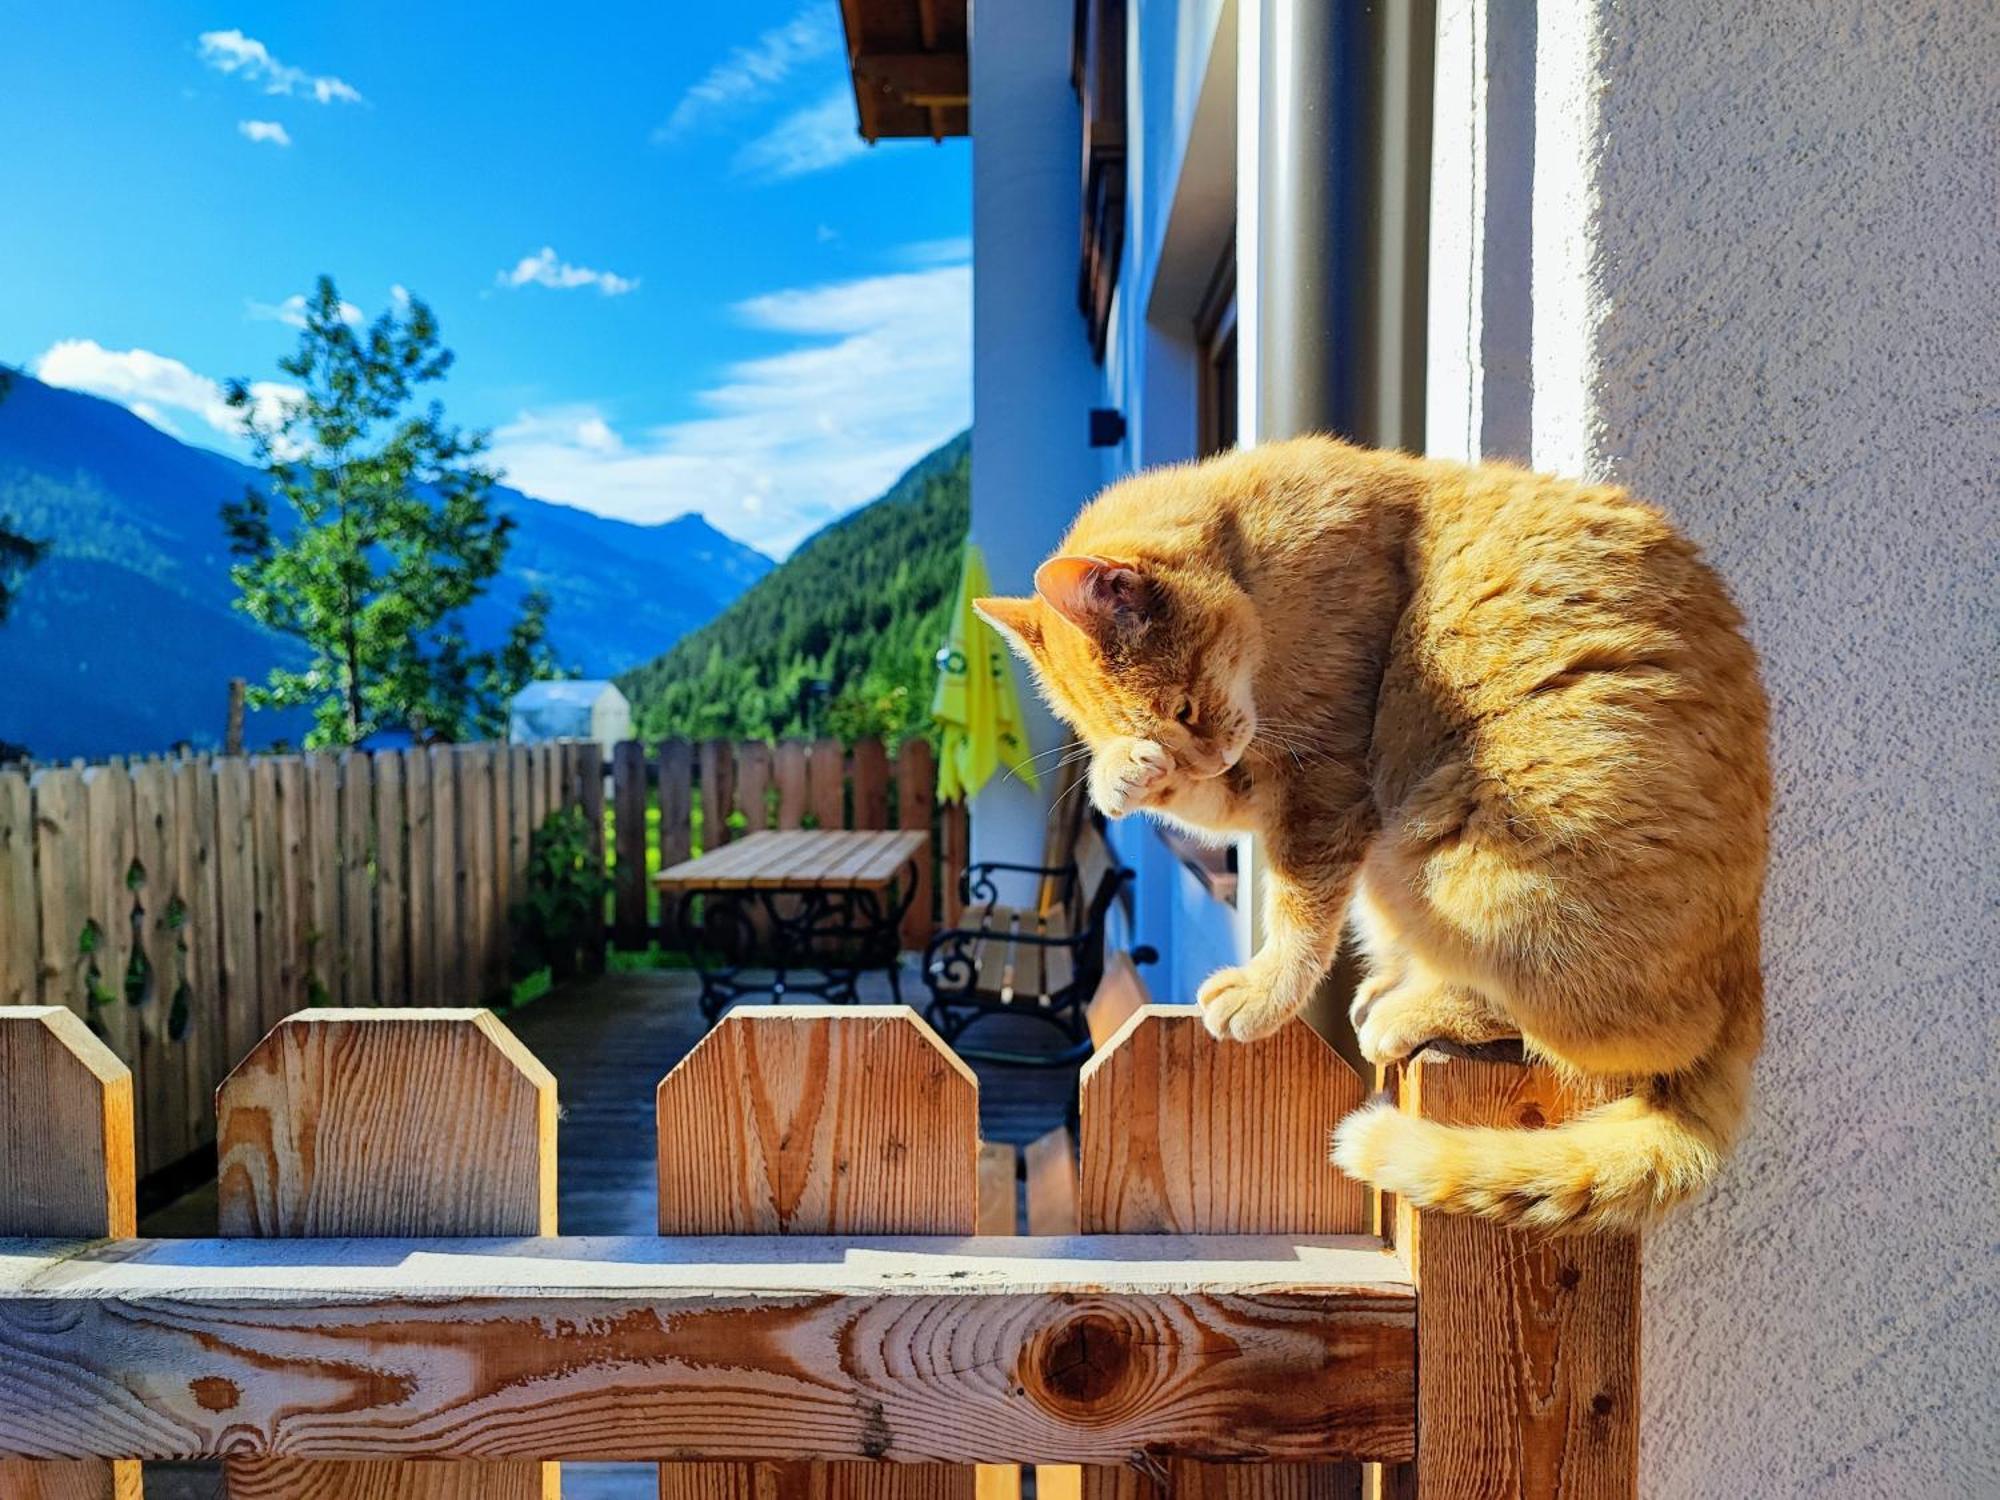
x: 674, y: 277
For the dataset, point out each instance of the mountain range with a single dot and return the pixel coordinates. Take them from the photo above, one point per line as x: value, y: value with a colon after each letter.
x: 842, y: 637
x: 123, y: 640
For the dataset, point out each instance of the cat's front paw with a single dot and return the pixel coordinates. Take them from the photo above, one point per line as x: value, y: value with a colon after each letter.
x: 1123, y: 776
x: 1247, y: 1003
x: 1395, y: 1017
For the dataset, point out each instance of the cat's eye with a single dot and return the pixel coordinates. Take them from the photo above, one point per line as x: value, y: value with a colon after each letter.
x: 1185, y: 713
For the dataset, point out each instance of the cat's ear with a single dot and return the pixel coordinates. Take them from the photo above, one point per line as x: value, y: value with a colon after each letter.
x: 1095, y: 593
x: 1019, y: 620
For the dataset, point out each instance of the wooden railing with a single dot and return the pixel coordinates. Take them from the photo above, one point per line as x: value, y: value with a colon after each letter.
x: 718, y: 790
x: 385, y: 1293
x: 182, y: 907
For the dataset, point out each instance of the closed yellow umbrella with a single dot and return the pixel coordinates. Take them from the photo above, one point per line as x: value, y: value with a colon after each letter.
x: 975, y: 700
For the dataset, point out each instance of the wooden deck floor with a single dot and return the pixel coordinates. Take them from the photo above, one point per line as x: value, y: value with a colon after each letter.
x: 609, y: 1040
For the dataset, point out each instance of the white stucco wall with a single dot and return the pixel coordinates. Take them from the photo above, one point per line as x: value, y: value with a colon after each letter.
x: 1766, y: 293
x: 1033, y: 382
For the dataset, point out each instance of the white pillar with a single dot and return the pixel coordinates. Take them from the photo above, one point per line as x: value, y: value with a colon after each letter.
x: 1033, y: 380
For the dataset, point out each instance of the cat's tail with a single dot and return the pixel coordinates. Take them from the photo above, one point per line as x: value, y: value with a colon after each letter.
x: 1615, y: 1168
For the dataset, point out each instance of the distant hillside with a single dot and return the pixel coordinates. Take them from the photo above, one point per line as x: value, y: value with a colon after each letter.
x: 125, y: 638
x: 860, y: 607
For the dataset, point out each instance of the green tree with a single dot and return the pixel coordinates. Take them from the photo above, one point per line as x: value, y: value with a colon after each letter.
x: 17, y: 553
x: 373, y: 531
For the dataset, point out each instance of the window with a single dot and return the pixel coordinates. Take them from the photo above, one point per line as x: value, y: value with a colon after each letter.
x: 1215, y: 336
x: 1097, y: 69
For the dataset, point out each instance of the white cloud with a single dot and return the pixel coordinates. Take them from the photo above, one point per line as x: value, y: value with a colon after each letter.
x: 937, y: 252
x: 878, y: 372
x: 292, y: 312
x: 544, y: 269
x: 751, y: 73
x: 812, y: 139
x: 152, y: 385
x: 400, y: 295
x: 264, y: 132
x: 233, y: 52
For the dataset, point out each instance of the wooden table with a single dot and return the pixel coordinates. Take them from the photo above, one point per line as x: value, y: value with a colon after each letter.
x: 820, y: 900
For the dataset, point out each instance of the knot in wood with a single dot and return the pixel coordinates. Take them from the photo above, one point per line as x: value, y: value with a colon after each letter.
x: 1079, y: 1365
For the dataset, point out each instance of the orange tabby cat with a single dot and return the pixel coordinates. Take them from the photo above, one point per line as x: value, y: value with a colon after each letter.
x: 1508, y: 726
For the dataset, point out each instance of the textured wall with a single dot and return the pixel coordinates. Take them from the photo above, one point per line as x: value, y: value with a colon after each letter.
x: 1766, y: 249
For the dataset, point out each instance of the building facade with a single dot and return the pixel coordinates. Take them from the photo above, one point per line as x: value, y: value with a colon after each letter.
x: 1742, y: 259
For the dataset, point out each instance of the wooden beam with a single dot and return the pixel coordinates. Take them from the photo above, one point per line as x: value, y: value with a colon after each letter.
x: 933, y: 1349
x: 1529, y: 1345
x: 923, y: 78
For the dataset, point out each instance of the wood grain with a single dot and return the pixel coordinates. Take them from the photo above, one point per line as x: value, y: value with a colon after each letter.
x: 421, y: 881
x: 20, y: 938
x: 157, y: 1065
x: 246, y: 831
x: 791, y: 778
x: 871, y: 784
x: 810, y: 1119
x: 590, y: 797
x: 1184, y: 1134
x: 999, y: 1187
x: 718, y: 792
x: 392, y: 905
x: 826, y: 783
x: 375, y: 1123
x: 202, y: 1056
x: 628, y: 845
x: 357, y: 883
x: 66, y: 1168
x: 819, y: 1120
x: 916, y: 802
x: 753, y: 785
x: 940, y: 1349
x: 448, y: 953
x: 107, y: 795
x: 320, y: 879
x: 1529, y: 1346
x: 62, y: 886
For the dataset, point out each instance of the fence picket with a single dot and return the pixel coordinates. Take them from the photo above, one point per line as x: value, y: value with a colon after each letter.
x: 818, y: 1120
x: 447, y: 932
x: 628, y: 845
x: 156, y: 968
x: 107, y: 794
x: 361, y: 1123
x: 392, y: 906
x: 916, y: 806
x: 244, y: 852
x: 20, y: 938
x: 421, y: 877
x: 589, y: 780
x: 274, y: 925
x: 826, y: 782
x: 718, y: 792
x: 66, y: 1168
x: 871, y: 784
x: 320, y: 872
x: 357, y: 883
x: 202, y: 1059
x: 1169, y: 1116
x: 791, y: 759
x: 475, y: 843
x: 62, y: 888
x: 753, y: 785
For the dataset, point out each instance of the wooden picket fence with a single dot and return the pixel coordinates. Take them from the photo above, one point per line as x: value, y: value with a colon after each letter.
x: 182, y: 907
x: 790, y: 784
x: 1235, y: 1321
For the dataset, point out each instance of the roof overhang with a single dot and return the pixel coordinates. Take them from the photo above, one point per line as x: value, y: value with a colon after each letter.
x: 912, y: 76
